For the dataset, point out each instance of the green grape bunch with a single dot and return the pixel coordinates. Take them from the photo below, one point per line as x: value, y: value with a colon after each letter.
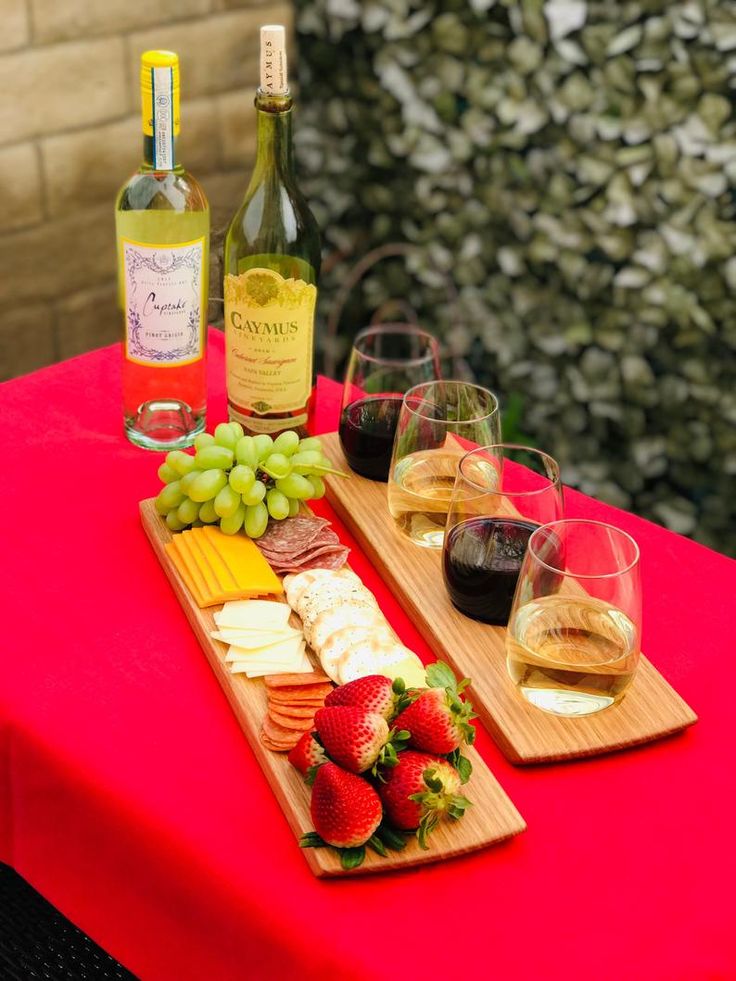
x: 240, y: 481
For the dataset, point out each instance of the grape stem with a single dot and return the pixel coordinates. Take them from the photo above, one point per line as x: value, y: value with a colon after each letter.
x: 318, y: 470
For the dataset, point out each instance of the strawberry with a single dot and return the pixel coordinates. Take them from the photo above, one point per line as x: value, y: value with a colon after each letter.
x: 420, y: 790
x: 306, y: 754
x: 354, y: 738
x: 374, y: 693
x: 345, y: 809
x: 439, y: 719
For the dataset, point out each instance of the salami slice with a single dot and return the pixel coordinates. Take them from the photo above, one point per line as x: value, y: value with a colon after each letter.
x: 291, y: 535
x: 309, y: 559
x: 316, y: 681
x: 278, y: 735
x: 325, y: 537
x: 290, y: 722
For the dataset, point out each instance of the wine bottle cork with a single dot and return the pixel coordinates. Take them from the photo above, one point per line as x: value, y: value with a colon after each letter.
x: 274, y: 73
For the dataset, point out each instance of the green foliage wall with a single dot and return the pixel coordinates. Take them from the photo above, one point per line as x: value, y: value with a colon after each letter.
x: 571, y: 166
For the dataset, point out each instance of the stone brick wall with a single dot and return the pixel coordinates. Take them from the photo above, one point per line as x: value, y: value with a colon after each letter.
x: 70, y: 136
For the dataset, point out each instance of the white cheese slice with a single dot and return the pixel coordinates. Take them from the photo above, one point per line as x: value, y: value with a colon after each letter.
x: 254, y: 639
x: 280, y: 651
x: 260, y: 669
x: 267, y: 664
x: 253, y: 614
x: 303, y: 667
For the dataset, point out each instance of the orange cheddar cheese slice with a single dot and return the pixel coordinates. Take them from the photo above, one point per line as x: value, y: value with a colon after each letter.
x: 183, y: 572
x: 224, y: 578
x: 245, y: 561
x: 203, y: 576
x: 181, y: 547
x: 212, y: 585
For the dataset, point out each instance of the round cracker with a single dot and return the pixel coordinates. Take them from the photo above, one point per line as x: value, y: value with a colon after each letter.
x: 298, y: 582
x: 341, y: 641
x: 345, y: 615
x: 322, y: 593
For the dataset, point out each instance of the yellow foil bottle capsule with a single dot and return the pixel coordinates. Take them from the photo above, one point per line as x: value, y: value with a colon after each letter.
x: 163, y: 225
x: 160, y: 104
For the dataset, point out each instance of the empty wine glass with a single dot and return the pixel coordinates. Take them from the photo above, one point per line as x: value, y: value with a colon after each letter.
x: 385, y: 361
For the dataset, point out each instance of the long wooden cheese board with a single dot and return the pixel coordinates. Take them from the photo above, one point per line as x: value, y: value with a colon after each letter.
x: 650, y: 710
x: 491, y: 819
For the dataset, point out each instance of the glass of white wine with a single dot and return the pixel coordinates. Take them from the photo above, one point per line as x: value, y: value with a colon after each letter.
x: 439, y: 422
x: 575, y: 628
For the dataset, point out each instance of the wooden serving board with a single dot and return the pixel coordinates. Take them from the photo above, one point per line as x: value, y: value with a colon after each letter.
x: 491, y: 819
x: 650, y: 709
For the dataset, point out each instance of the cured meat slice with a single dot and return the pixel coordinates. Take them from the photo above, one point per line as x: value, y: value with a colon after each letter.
x: 291, y: 535
x: 274, y: 747
x: 289, y: 722
x: 324, y: 557
x: 335, y: 560
x: 278, y: 733
x: 296, y: 711
x: 290, y: 696
x: 314, y: 679
x: 302, y: 543
x: 325, y: 536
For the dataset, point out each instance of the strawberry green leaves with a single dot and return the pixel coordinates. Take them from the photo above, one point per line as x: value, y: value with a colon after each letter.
x: 434, y: 801
x: 369, y: 789
x: 440, y: 675
x: 462, y: 764
x: 383, y: 840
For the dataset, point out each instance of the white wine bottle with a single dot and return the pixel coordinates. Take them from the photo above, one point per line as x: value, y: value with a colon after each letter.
x: 272, y: 259
x: 163, y: 229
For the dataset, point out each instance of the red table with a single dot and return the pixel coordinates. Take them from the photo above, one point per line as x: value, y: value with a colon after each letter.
x: 131, y: 800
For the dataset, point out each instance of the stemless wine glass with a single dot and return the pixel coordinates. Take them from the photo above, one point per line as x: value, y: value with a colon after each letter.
x: 438, y: 423
x: 575, y: 628
x: 502, y: 494
x: 385, y: 361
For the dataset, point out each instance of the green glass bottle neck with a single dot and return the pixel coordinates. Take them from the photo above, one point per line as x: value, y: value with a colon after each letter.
x: 148, y: 154
x: 274, y: 152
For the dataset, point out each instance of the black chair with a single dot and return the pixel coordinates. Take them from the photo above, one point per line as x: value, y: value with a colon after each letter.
x: 37, y: 943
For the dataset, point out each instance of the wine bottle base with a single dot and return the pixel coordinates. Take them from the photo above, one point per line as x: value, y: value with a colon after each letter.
x: 164, y: 424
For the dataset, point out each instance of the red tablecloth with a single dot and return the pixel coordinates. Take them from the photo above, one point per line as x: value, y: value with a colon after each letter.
x: 131, y: 800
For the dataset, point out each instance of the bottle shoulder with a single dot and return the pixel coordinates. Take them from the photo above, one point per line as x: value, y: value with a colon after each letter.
x: 173, y: 190
x: 273, y: 218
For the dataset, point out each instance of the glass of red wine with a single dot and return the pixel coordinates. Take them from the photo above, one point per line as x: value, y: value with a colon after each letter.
x: 385, y: 362
x: 502, y: 494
